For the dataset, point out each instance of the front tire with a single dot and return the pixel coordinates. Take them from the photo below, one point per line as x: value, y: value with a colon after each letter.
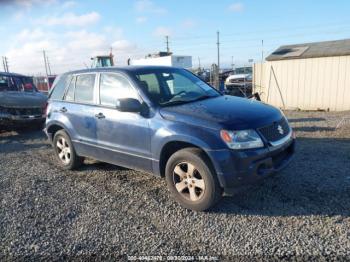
x: 191, y: 180
x: 65, y: 152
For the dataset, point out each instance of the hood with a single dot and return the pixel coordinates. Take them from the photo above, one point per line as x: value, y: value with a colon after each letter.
x: 22, y: 99
x: 228, y: 112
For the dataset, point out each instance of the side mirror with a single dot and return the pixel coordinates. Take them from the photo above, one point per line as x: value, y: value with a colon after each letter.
x: 128, y: 105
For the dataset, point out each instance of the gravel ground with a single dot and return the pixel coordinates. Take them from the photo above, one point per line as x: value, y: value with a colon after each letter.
x: 111, y: 212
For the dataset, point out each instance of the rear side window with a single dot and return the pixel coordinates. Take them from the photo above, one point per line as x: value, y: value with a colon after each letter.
x: 113, y: 87
x: 70, y: 90
x: 84, y: 88
x: 58, y: 91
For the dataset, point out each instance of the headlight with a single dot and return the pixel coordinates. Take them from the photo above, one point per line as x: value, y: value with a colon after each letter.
x: 242, y: 139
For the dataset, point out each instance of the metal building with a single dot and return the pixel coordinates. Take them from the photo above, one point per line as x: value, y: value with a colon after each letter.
x: 165, y: 59
x: 311, y: 76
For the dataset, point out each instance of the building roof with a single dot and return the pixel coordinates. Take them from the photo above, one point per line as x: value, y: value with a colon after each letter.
x: 311, y: 50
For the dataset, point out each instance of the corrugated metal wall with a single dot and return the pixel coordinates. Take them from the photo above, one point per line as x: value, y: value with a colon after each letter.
x: 306, y: 84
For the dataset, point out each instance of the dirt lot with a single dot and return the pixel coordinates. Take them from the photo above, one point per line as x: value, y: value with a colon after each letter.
x: 110, y: 211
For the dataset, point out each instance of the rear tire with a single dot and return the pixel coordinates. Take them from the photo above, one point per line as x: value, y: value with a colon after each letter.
x: 65, y: 152
x: 191, y: 180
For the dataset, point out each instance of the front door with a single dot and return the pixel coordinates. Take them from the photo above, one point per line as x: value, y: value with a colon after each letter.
x: 123, y: 137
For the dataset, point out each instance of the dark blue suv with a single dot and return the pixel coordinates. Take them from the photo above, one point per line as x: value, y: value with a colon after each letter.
x: 168, y: 122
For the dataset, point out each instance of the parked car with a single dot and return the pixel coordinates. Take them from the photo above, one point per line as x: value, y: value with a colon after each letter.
x: 168, y: 122
x: 239, y: 85
x: 20, y: 101
x: 225, y: 74
x: 243, y: 70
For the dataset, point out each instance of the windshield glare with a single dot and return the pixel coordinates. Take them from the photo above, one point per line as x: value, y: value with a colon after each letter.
x: 18, y: 84
x: 171, y: 86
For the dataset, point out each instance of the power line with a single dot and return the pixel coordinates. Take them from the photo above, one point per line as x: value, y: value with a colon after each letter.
x: 272, y: 30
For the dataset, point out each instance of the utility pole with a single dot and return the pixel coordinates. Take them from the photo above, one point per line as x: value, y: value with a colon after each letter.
x: 47, y: 76
x: 45, y: 61
x: 5, y: 64
x: 232, y: 64
x: 112, y: 57
x: 218, y: 67
x: 167, y: 44
x: 218, y: 45
x: 48, y: 65
x: 262, y: 61
x: 199, y: 63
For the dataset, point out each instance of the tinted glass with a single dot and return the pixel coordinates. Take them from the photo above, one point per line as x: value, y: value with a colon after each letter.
x: 113, y: 87
x: 70, y: 90
x: 84, y: 88
x: 59, y: 87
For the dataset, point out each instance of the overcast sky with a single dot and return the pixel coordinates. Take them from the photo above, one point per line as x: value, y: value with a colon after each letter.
x: 73, y: 31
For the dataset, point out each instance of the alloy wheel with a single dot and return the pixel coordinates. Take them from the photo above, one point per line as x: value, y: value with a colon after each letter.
x: 63, y: 149
x: 188, y: 181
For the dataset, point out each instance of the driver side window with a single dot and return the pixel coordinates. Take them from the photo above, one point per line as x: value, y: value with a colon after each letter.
x: 113, y: 87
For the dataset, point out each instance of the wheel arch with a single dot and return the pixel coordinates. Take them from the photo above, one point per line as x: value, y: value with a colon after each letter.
x: 53, y: 128
x: 171, y: 147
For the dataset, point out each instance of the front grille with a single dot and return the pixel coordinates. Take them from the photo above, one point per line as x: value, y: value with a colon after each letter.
x: 239, y: 80
x: 35, y: 111
x: 275, y: 131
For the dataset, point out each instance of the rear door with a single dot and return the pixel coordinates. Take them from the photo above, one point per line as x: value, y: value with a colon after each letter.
x: 80, y: 103
x: 123, y: 137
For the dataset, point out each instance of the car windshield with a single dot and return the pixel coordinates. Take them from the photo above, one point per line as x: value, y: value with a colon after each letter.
x: 17, y: 84
x: 243, y: 70
x: 171, y: 86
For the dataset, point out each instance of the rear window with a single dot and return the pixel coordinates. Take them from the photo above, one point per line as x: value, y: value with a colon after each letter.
x: 59, y: 87
x: 70, y: 90
x: 84, y: 88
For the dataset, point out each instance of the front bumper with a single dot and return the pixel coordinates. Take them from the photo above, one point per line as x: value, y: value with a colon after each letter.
x: 8, y: 119
x: 239, y: 168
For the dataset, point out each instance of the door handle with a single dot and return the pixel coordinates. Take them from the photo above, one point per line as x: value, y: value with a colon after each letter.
x: 63, y: 110
x: 100, y: 116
